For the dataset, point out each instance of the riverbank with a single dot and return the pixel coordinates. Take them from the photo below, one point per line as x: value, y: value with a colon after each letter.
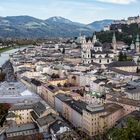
x: 4, y: 55
x: 5, y: 49
x: 10, y: 48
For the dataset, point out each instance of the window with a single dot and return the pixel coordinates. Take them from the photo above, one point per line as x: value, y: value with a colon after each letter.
x: 100, y: 61
x: 107, y: 60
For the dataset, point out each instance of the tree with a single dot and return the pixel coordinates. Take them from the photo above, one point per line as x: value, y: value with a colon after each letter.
x: 120, y: 56
x: 69, y: 135
x: 2, y: 76
x: 3, y: 112
x: 130, y: 131
x: 124, y: 57
x: 59, y: 85
x: 66, y: 85
x: 53, y: 76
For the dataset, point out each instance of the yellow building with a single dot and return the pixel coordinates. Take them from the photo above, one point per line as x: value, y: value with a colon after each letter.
x: 20, y: 114
x: 57, y: 81
x: 48, y: 93
x: 99, y: 118
x: 93, y: 118
x: 125, y: 66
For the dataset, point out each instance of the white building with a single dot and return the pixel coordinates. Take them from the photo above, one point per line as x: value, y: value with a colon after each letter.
x: 93, y: 51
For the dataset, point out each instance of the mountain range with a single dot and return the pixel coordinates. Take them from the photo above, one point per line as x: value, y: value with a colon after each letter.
x: 30, y: 27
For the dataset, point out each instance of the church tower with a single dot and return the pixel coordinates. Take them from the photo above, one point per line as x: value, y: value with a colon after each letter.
x: 132, y: 46
x: 94, y: 39
x: 83, y: 40
x: 137, y: 44
x: 80, y: 34
x: 114, y: 43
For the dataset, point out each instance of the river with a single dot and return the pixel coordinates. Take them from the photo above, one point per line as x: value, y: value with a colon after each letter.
x: 5, y: 55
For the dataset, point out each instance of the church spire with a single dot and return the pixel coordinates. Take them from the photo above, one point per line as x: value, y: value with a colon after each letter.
x: 137, y: 39
x: 137, y: 44
x: 114, y: 42
x: 114, y: 37
x: 132, y: 46
x: 94, y: 39
x: 80, y: 34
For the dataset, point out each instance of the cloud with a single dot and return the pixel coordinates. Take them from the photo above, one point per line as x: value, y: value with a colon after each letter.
x: 118, y: 1
x: 78, y: 11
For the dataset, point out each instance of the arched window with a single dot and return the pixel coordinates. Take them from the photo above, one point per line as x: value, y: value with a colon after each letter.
x: 107, y: 60
x: 74, y: 77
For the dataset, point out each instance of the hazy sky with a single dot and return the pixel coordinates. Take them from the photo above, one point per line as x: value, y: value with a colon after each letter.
x: 84, y: 11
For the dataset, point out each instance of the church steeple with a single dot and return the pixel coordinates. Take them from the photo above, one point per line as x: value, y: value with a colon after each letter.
x: 114, y: 42
x: 137, y: 39
x: 137, y: 44
x: 80, y: 34
x: 94, y: 39
x: 132, y: 46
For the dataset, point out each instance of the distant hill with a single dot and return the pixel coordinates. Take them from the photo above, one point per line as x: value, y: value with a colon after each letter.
x: 30, y: 27
x: 128, y: 34
x: 98, y: 25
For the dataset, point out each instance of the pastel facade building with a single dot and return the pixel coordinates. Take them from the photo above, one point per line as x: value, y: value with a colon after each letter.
x: 48, y: 93
x: 23, y: 114
x: 20, y: 114
x: 91, y: 118
x: 99, y: 118
x: 70, y: 109
x: 129, y: 105
x: 128, y: 66
x: 22, y: 130
x: 133, y: 92
x: 57, y: 81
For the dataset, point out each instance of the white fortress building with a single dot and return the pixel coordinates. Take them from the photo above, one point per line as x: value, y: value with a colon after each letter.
x: 130, y: 20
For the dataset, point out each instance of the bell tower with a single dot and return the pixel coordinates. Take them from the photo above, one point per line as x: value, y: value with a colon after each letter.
x: 94, y: 39
x: 114, y: 43
x: 137, y: 44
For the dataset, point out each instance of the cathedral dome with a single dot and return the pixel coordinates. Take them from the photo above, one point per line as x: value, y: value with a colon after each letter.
x: 97, y: 44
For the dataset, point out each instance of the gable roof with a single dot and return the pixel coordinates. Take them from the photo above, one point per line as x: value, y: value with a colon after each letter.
x: 122, y: 64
